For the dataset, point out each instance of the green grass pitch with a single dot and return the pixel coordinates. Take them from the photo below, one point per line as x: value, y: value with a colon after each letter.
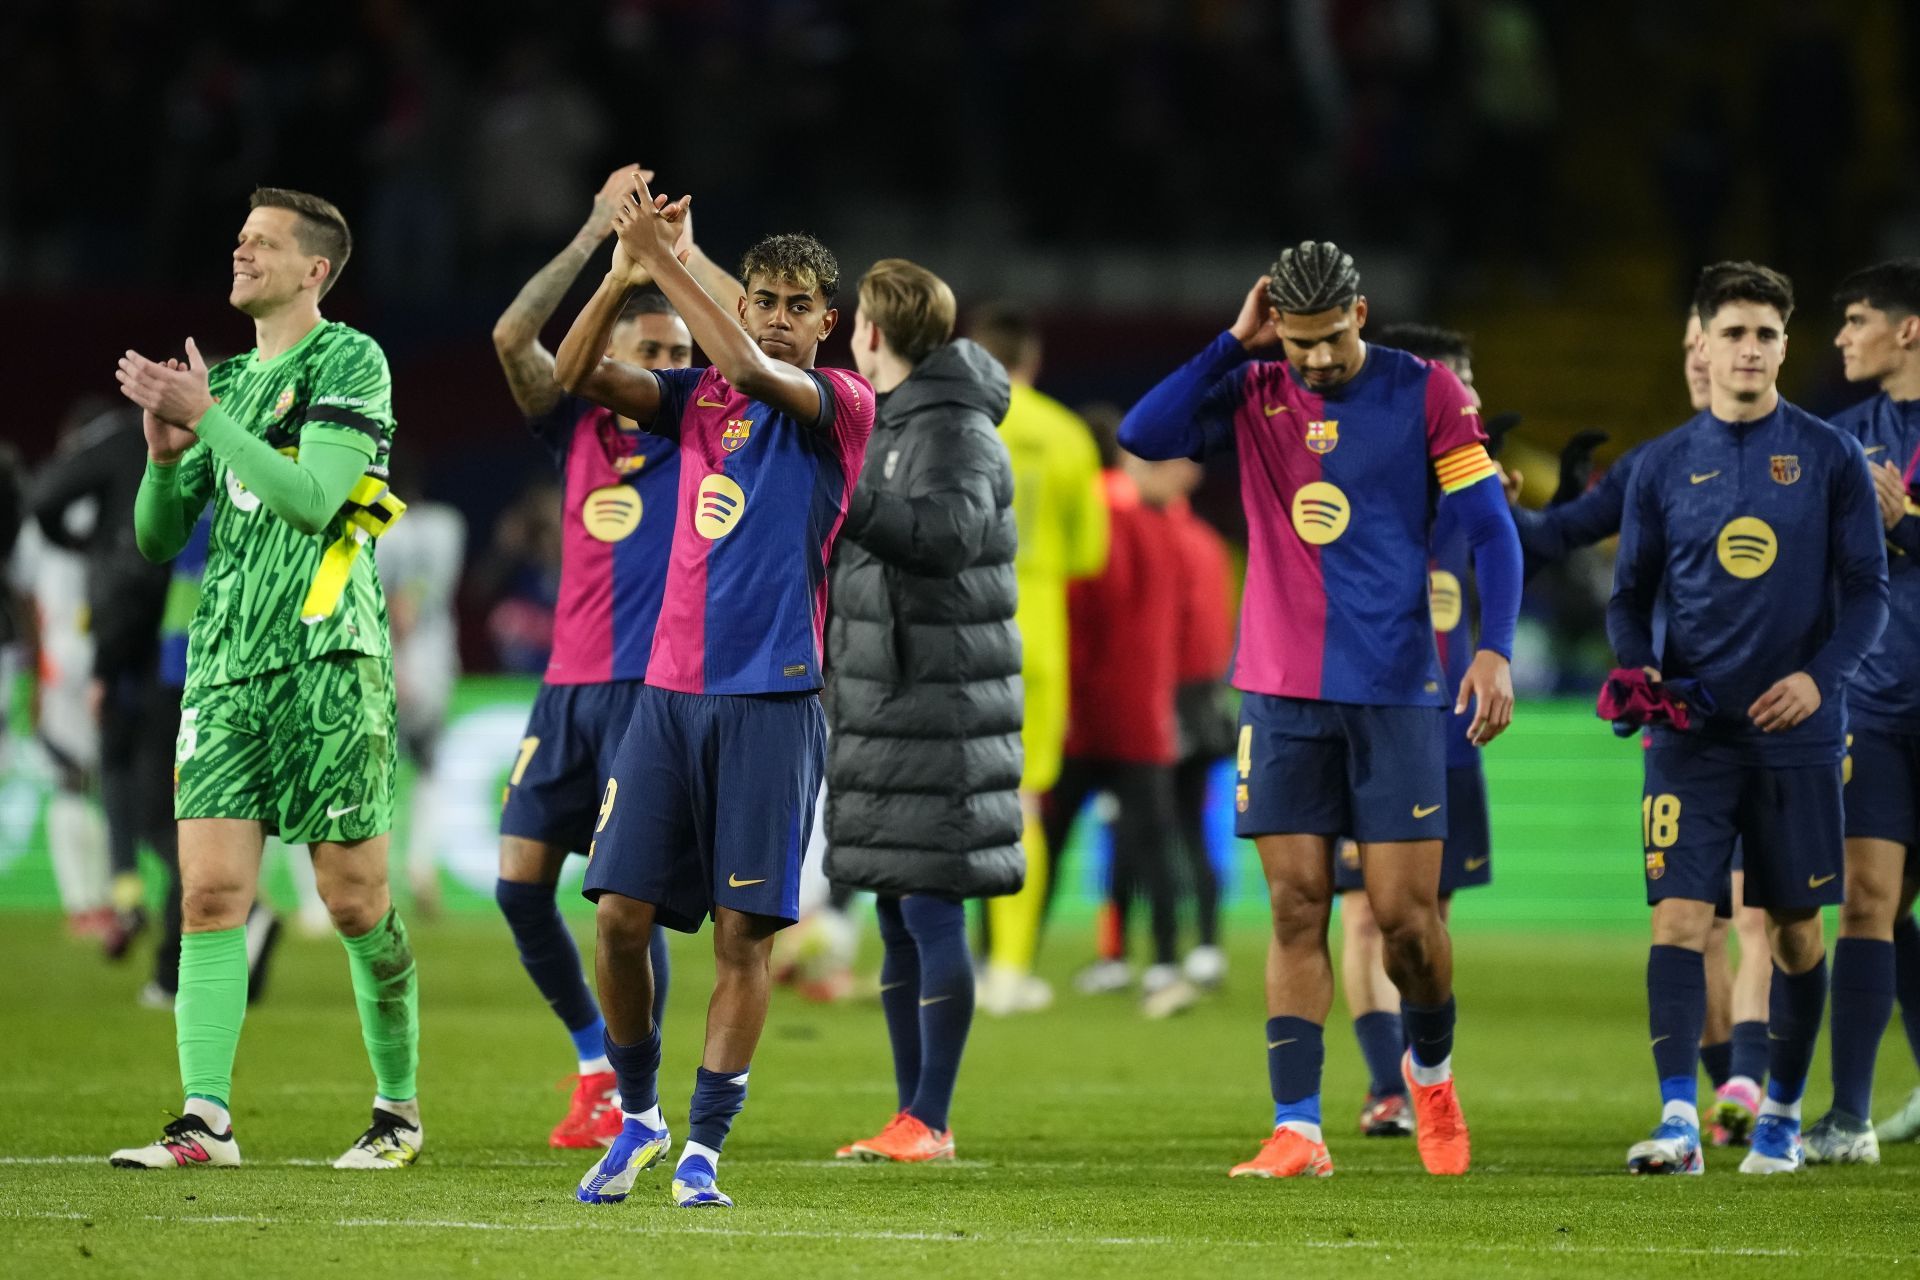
x: 1091, y: 1143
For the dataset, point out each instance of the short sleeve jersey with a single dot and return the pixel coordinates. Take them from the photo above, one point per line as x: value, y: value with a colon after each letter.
x: 619, y: 490
x: 1339, y: 491
x: 332, y: 385
x: 1886, y: 690
x: 760, y: 502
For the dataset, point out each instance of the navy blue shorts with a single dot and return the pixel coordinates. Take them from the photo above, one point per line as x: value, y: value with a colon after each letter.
x: 1882, y: 773
x: 1467, y: 860
x: 1789, y: 824
x: 566, y: 757
x: 709, y: 805
x: 1337, y: 768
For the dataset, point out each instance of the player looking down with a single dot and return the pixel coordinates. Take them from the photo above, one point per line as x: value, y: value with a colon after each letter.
x: 1345, y: 449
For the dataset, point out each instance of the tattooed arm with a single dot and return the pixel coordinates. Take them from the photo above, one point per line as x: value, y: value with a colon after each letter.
x: 516, y: 334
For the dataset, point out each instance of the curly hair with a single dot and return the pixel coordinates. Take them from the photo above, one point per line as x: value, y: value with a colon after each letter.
x: 1313, y: 276
x: 795, y: 258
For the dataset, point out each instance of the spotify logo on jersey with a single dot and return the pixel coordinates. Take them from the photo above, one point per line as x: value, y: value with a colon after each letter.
x: 1443, y: 600
x: 717, y: 510
x: 1320, y: 513
x: 1747, y: 547
x: 611, y: 513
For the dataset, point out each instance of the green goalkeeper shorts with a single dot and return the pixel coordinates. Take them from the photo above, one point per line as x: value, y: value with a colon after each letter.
x: 307, y: 750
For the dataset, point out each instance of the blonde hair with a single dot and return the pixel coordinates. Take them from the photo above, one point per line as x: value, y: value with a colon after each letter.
x: 913, y: 307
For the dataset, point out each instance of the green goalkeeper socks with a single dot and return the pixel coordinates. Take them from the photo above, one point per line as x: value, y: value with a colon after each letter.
x: 209, y: 1010
x: 385, y: 989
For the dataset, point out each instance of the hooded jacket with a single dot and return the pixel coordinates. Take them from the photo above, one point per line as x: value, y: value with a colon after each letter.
x: 923, y: 689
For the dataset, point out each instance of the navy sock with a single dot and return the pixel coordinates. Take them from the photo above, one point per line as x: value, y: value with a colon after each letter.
x: 1382, y: 1040
x: 717, y: 1099
x: 1862, y: 1003
x: 662, y: 975
x: 900, y: 998
x: 1676, y: 1011
x: 1750, y: 1050
x: 1718, y: 1060
x: 939, y: 929
x: 1794, y: 1008
x: 1906, y: 978
x: 1296, y: 1052
x: 636, y: 1067
x: 551, y: 960
x: 1429, y: 1031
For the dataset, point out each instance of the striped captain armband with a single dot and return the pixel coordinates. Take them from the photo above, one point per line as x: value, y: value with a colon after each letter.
x: 1469, y: 464
x: 371, y: 509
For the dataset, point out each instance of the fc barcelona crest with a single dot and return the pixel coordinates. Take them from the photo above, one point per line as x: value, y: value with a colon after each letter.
x: 284, y: 403
x: 1323, y: 436
x: 736, y: 433
x: 1786, y: 468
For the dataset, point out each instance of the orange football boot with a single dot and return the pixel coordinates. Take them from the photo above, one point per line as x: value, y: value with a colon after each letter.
x: 905, y: 1140
x: 1287, y: 1154
x: 1440, y: 1130
x: 593, y: 1116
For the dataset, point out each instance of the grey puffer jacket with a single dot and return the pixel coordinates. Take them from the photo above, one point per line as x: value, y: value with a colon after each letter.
x: 923, y: 691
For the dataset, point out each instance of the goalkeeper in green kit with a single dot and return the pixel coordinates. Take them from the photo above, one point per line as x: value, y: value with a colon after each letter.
x: 287, y: 722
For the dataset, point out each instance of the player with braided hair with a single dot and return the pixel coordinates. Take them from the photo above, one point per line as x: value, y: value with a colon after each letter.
x: 1345, y: 450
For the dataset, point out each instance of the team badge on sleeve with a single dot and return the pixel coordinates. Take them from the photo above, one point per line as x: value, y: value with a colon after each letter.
x: 1786, y: 468
x: 1323, y: 436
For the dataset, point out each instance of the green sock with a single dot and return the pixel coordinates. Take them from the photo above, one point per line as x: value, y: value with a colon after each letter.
x: 209, y: 1010
x: 384, y: 987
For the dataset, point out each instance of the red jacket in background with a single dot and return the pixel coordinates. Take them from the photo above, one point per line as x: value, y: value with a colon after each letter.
x: 1124, y: 630
x: 1206, y: 623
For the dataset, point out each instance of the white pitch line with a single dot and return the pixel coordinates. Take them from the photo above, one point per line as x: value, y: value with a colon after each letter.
x: 974, y: 1237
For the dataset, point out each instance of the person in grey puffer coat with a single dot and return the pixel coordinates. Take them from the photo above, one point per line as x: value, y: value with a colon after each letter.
x: 923, y: 693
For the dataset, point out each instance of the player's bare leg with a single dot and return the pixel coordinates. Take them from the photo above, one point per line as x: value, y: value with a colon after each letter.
x: 219, y: 876
x: 1374, y: 1004
x: 1863, y: 988
x: 1795, y: 1011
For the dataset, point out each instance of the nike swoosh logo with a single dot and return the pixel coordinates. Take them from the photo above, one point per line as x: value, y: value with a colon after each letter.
x: 1876, y: 448
x: 891, y: 986
x: 1425, y: 810
x: 933, y: 1000
x: 1474, y: 864
x: 1702, y: 479
x: 333, y: 813
x: 1658, y: 1039
x: 1272, y: 409
x: 705, y: 403
x: 1275, y: 1044
x: 1814, y: 882
x: 734, y: 881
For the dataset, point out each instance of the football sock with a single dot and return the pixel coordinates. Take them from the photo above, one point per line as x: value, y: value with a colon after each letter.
x: 636, y: 1068
x: 548, y: 955
x: 209, y: 1009
x: 900, y: 998
x: 1718, y: 1060
x: 1429, y: 1036
x: 1676, y: 1011
x: 387, y: 991
x: 1382, y: 1042
x: 1795, y: 1006
x: 1862, y: 1003
x: 1906, y: 978
x: 717, y: 1099
x: 1296, y: 1053
x: 1750, y: 1051
x: 945, y: 1006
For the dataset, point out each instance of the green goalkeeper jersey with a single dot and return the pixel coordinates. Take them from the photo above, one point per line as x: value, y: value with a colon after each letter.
x: 332, y: 386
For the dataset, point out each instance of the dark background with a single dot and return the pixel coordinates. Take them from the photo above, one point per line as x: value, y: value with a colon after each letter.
x: 1546, y: 176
